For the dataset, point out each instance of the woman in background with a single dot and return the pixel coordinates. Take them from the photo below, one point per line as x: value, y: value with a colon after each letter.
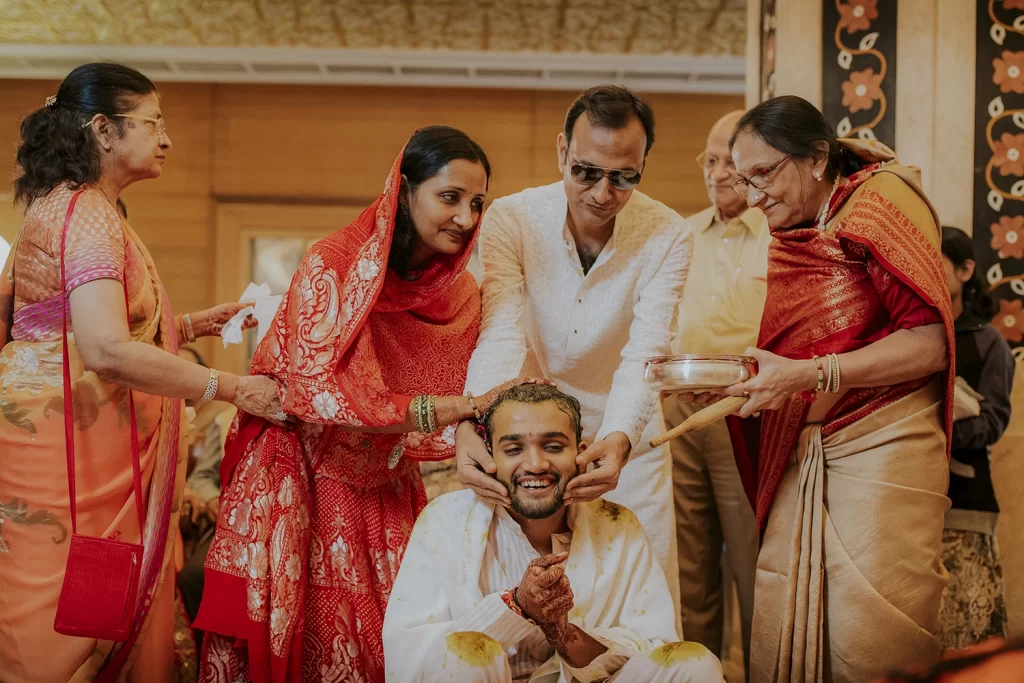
x: 973, y: 606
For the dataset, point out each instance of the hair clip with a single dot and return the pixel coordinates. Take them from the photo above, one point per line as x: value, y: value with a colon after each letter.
x: 51, y: 101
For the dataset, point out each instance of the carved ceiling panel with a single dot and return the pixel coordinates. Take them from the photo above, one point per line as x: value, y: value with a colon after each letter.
x: 641, y: 27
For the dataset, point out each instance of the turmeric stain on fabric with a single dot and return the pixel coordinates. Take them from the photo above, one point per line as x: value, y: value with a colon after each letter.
x: 677, y: 653
x: 472, y: 647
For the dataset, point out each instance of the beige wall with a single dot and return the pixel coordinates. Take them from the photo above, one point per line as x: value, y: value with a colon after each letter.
x: 309, y: 144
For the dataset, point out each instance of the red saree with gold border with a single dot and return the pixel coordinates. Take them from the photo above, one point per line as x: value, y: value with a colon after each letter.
x: 314, y: 521
x: 849, y: 575
x: 838, y: 291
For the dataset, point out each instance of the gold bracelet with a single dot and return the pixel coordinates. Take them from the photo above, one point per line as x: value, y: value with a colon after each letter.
x: 186, y: 321
x: 211, y: 386
x: 821, y: 375
x: 835, y: 370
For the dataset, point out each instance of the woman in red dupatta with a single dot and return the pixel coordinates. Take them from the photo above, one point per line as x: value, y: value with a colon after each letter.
x: 314, y: 521
x: 856, y: 387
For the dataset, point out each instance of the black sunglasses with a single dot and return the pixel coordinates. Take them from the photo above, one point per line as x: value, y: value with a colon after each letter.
x: 588, y: 176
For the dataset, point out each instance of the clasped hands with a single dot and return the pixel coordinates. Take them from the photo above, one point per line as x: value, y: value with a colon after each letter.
x: 545, y: 596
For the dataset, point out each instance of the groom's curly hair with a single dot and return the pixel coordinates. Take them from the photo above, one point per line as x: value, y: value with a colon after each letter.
x: 533, y: 394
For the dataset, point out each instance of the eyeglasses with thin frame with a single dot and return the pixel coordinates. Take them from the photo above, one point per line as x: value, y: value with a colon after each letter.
x: 708, y: 163
x: 620, y: 178
x: 759, y: 181
x: 161, y: 127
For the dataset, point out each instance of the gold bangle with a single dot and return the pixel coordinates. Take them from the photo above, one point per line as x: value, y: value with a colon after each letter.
x: 821, y: 375
x: 835, y: 367
x: 417, y: 411
x: 186, y: 321
x: 431, y: 414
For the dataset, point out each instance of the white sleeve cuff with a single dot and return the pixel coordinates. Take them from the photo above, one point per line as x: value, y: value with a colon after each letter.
x: 604, y: 665
x: 492, y: 617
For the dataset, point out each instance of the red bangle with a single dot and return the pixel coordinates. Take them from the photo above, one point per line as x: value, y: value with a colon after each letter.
x: 509, y: 598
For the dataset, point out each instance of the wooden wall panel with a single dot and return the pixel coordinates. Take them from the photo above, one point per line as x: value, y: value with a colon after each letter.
x: 338, y: 143
x: 334, y: 145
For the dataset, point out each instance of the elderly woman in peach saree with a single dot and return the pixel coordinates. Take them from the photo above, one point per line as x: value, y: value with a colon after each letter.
x: 103, y: 131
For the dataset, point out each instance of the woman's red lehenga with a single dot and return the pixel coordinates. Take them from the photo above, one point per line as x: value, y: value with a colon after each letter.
x: 314, y: 520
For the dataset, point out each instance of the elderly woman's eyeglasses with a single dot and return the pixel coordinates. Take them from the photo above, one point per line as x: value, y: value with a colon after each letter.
x: 158, y: 124
x: 759, y: 181
x: 161, y: 127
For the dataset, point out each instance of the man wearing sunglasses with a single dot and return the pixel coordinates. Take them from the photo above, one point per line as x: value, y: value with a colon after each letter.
x: 720, y: 313
x: 581, y: 284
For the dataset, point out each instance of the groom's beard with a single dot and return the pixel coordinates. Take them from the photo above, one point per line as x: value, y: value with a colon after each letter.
x: 537, y: 507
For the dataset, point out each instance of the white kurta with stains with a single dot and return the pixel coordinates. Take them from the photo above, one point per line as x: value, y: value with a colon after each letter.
x: 446, y: 620
x: 589, y: 333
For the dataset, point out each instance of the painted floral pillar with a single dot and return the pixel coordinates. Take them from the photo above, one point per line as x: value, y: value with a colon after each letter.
x: 999, y: 160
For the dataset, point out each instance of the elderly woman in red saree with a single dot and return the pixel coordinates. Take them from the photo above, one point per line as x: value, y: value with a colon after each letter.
x: 855, y: 387
x: 101, y: 132
x: 370, y: 347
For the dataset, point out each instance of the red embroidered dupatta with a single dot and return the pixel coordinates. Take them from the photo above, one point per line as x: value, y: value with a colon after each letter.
x: 332, y: 357
x: 350, y: 345
x: 823, y: 299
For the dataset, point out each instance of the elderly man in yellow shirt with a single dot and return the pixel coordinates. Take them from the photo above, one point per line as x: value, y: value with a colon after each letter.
x: 720, y: 312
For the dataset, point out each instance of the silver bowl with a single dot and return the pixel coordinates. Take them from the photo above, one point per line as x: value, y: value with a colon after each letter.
x: 698, y: 372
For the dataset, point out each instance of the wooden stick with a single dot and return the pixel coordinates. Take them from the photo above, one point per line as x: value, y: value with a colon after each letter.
x: 702, y: 418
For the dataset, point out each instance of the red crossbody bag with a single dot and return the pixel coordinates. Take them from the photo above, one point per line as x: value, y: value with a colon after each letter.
x: 101, y: 580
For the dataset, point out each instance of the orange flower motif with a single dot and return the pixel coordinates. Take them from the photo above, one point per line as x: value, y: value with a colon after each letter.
x: 861, y: 91
x: 1013, y: 4
x: 1008, y: 153
x: 857, y: 15
x: 1008, y: 236
x: 1009, y: 72
x: 1010, y: 320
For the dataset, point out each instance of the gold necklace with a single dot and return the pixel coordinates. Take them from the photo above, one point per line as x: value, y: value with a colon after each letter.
x: 104, y: 195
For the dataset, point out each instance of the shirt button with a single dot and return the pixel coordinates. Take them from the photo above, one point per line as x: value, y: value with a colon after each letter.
x: 579, y: 301
x: 575, y: 331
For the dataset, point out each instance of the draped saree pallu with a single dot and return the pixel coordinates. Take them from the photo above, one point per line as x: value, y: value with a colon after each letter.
x: 849, y: 578
x: 314, y: 521
x: 34, y: 502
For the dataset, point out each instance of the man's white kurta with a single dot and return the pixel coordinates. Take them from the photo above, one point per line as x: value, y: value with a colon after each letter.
x: 590, y: 333
x: 618, y: 587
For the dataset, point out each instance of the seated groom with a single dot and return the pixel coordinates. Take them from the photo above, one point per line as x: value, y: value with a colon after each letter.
x: 542, y: 592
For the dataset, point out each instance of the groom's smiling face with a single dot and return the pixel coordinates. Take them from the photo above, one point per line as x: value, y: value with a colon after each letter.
x: 535, y: 448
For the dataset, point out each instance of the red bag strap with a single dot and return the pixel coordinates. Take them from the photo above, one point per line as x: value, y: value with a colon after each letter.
x: 69, y: 418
